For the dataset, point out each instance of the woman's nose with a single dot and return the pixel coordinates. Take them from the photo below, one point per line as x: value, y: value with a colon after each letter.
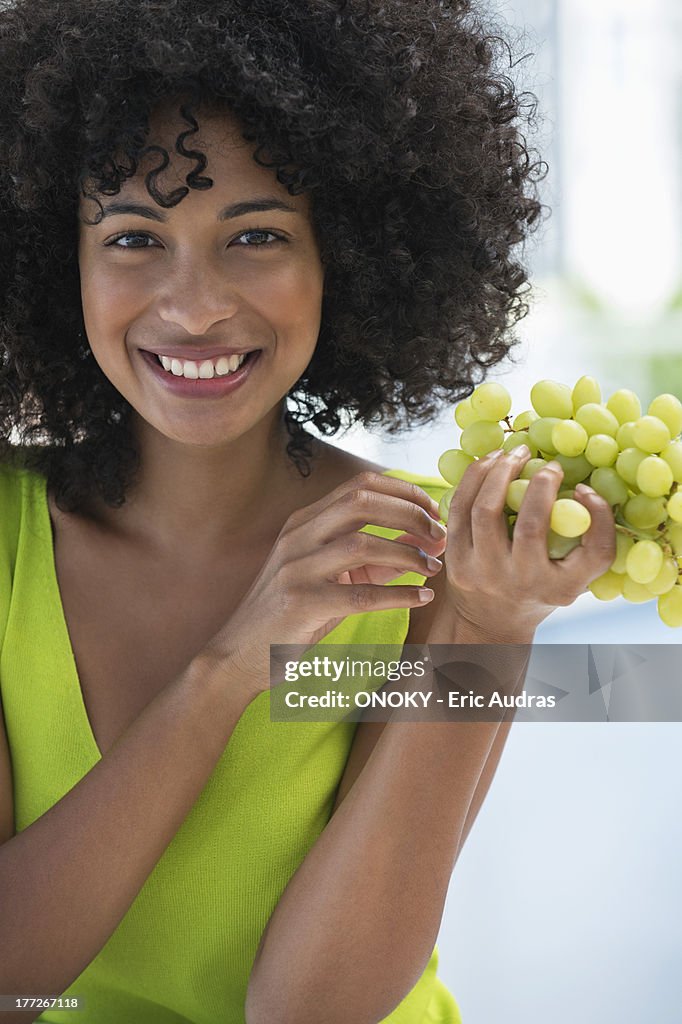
x: 196, y: 297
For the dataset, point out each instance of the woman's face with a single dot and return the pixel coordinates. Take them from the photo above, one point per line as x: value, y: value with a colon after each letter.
x: 207, y: 276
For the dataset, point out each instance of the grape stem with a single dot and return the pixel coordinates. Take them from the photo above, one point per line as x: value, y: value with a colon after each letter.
x: 666, y: 545
x: 630, y: 532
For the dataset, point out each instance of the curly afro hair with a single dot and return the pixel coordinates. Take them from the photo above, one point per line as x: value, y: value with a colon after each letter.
x: 394, y: 116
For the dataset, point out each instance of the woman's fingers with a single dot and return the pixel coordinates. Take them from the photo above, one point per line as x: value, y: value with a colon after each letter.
x: 529, y: 547
x: 488, y: 522
x: 357, y: 551
x: 459, y: 517
x: 394, y: 509
x: 368, y: 481
x: 597, y: 549
x: 386, y: 573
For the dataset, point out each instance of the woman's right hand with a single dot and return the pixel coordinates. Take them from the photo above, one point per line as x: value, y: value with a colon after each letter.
x: 321, y: 569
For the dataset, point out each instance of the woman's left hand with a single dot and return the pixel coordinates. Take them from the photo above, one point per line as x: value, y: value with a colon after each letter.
x: 504, y: 588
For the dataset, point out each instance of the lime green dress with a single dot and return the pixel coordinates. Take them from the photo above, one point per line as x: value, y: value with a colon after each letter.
x: 185, y: 948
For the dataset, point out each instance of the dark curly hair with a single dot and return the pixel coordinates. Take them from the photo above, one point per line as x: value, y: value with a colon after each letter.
x: 392, y: 114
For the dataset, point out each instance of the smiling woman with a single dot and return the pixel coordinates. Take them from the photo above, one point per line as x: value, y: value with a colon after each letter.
x: 222, y: 221
x: 231, y: 270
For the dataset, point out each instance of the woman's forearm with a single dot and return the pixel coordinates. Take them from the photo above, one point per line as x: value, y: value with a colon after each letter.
x: 486, y: 777
x: 355, y: 927
x: 67, y: 880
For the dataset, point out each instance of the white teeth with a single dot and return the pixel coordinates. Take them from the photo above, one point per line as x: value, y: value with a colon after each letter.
x: 206, y: 369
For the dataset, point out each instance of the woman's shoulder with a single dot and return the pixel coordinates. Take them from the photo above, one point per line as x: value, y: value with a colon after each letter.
x: 15, y: 469
x: 17, y: 458
x: 343, y: 465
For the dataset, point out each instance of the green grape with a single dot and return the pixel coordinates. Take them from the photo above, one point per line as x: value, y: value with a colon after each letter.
x: 628, y: 463
x: 674, y: 534
x: 491, y: 402
x: 672, y: 454
x: 551, y: 399
x: 654, y: 476
x: 608, y: 586
x: 575, y: 469
x: 569, y: 438
x: 666, y: 579
x: 585, y: 390
x: 569, y: 518
x: 651, y: 434
x: 624, y: 435
x: 516, y: 493
x: 601, y: 450
x: 444, y: 504
x: 558, y: 546
x: 623, y: 544
x: 596, y: 419
x: 481, y: 437
x: 634, y: 592
x: 453, y: 463
x: 607, y: 483
x: 524, y: 419
x: 532, y: 467
x: 516, y: 438
x: 670, y: 607
x: 632, y: 461
x: 645, y: 513
x: 675, y: 507
x: 669, y: 409
x: 540, y: 433
x: 465, y: 414
x: 625, y: 405
x: 644, y: 561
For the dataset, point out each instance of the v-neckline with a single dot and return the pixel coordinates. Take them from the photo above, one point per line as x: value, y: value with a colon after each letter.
x: 58, y: 604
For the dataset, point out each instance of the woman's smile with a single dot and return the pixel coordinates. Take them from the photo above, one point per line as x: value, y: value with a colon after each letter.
x: 183, y: 377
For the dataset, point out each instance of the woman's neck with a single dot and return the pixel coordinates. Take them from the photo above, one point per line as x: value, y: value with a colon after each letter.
x: 204, y: 501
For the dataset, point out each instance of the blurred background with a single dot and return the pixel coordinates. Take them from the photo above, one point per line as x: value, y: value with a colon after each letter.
x: 565, y: 902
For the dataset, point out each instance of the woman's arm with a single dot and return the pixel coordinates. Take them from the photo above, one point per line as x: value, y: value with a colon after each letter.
x: 367, y: 733
x: 68, y: 879
x: 356, y: 926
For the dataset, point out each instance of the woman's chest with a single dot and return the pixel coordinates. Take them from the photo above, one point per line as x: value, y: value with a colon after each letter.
x: 134, y: 626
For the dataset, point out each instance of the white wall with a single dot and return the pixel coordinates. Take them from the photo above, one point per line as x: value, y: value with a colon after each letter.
x: 565, y: 903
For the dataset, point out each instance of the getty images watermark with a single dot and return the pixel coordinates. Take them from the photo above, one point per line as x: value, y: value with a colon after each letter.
x: 476, y: 682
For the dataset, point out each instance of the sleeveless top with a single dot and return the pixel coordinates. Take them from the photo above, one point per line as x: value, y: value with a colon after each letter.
x: 184, y: 950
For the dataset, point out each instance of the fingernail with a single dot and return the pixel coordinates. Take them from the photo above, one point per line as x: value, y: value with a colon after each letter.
x: 554, y: 465
x: 437, y: 530
x: 520, y: 450
x: 425, y: 594
x: 434, y: 564
x: 584, y: 489
x: 495, y: 454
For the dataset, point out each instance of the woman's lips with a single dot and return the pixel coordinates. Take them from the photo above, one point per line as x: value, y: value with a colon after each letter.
x: 213, y: 387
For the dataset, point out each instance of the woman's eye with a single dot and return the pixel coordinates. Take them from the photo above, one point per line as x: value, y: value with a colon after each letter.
x: 130, y: 234
x: 259, y: 238
x: 260, y: 235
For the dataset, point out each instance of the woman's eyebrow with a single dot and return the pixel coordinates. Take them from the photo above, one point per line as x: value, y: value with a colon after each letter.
x: 233, y: 210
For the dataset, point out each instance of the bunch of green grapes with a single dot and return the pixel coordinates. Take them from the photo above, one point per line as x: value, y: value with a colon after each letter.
x: 634, y: 461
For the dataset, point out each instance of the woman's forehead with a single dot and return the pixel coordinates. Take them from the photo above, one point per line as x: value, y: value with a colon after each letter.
x: 230, y: 162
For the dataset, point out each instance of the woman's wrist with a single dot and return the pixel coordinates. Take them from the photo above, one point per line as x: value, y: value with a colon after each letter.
x: 224, y: 669
x: 452, y: 626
